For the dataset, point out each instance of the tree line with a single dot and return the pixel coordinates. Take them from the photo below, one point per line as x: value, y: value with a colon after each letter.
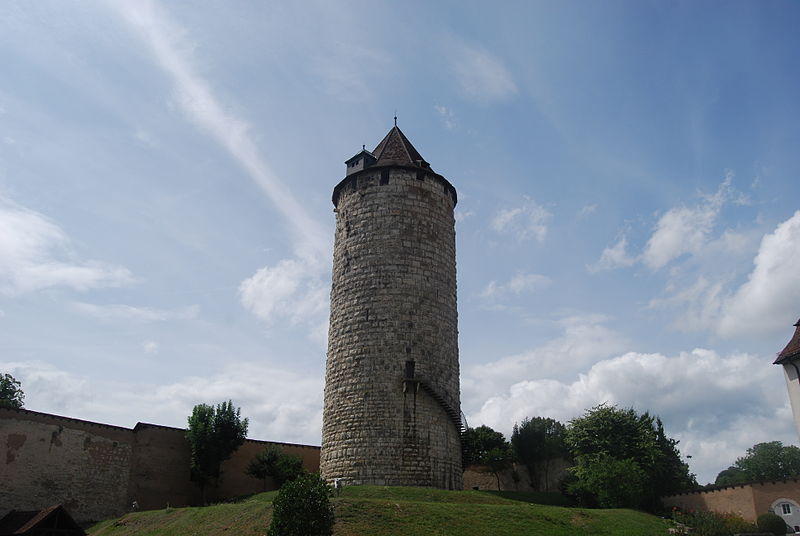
x: 618, y: 457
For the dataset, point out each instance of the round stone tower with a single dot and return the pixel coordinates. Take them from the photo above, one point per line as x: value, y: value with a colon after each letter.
x: 392, y: 408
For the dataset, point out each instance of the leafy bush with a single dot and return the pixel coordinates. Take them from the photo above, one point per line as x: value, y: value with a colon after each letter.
x: 770, y: 522
x: 302, y: 508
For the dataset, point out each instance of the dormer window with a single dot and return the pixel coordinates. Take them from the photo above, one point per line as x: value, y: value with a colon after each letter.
x: 360, y: 161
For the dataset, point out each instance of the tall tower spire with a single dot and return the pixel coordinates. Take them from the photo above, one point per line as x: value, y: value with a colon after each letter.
x: 392, y: 402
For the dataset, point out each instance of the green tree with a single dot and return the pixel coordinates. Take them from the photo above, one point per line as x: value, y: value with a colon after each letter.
x: 11, y: 395
x: 609, y: 439
x: 607, y: 482
x: 763, y: 461
x: 730, y: 477
x: 273, y: 462
x: 536, y: 442
x: 214, y: 433
x: 478, y: 442
x: 302, y: 508
x: 497, y: 460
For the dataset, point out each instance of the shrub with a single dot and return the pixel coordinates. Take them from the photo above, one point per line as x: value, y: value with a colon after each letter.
x: 704, y: 523
x: 607, y: 482
x: 302, y: 508
x: 772, y: 523
x: 274, y: 462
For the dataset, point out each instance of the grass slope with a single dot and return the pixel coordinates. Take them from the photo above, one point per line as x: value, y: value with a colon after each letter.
x: 398, y: 511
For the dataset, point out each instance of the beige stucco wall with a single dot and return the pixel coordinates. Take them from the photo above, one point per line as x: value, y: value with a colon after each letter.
x: 748, y: 500
x: 793, y: 386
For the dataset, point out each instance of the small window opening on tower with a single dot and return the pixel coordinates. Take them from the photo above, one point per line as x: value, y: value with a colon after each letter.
x: 786, y: 508
x: 420, y: 175
x: 384, y: 176
x: 410, y: 369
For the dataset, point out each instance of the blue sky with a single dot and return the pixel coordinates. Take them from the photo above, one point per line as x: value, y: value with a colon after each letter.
x: 627, y: 222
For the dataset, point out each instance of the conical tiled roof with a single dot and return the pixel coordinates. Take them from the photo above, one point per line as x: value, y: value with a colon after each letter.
x: 397, y: 150
x: 792, y: 350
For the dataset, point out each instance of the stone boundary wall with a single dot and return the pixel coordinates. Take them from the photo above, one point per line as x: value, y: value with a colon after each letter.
x: 746, y: 500
x: 482, y: 477
x: 97, y: 470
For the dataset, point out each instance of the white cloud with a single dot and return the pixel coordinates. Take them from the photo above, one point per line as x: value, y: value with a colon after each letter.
x: 196, y: 98
x: 704, y: 398
x: 583, y: 341
x: 293, y: 289
x: 764, y: 304
x: 526, y: 221
x: 482, y: 75
x: 281, y: 405
x: 35, y: 253
x: 615, y: 256
x: 131, y: 313
x: 768, y: 300
x: 520, y: 283
x: 685, y: 230
x: 150, y: 347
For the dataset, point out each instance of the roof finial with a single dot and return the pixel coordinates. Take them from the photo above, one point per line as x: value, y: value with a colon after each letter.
x: 363, y: 147
x: 395, y: 117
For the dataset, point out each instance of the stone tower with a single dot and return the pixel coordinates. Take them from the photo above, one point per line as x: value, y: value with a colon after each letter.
x: 392, y: 407
x: 790, y: 359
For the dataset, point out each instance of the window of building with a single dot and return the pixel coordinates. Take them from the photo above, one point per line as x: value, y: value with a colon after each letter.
x: 786, y: 508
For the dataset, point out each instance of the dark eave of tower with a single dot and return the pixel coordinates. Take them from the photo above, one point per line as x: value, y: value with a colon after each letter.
x: 394, y: 150
x: 792, y: 350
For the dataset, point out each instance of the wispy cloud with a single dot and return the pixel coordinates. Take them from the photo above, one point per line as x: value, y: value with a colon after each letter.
x: 131, y: 313
x: 35, y: 253
x: 481, y: 74
x: 685, y: 230
x: 446, y: 116
x: 196, y: 97
x: 520, y: 283
x: 586, y: 210
x: 615, y: 256
x: 527, y: 221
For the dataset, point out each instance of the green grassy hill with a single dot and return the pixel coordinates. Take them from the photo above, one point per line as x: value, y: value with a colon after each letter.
x: 398, y: 511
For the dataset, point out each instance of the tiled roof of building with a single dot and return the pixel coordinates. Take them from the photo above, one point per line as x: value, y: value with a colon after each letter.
x: 50, y: 520
x: 396, y: 149
x: 792, y: 349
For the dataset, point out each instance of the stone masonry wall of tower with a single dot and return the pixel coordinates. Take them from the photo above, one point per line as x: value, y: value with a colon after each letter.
x: 393, y: 301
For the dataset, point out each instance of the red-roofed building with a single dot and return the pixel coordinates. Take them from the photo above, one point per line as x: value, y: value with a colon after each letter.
x: 790, y: 359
